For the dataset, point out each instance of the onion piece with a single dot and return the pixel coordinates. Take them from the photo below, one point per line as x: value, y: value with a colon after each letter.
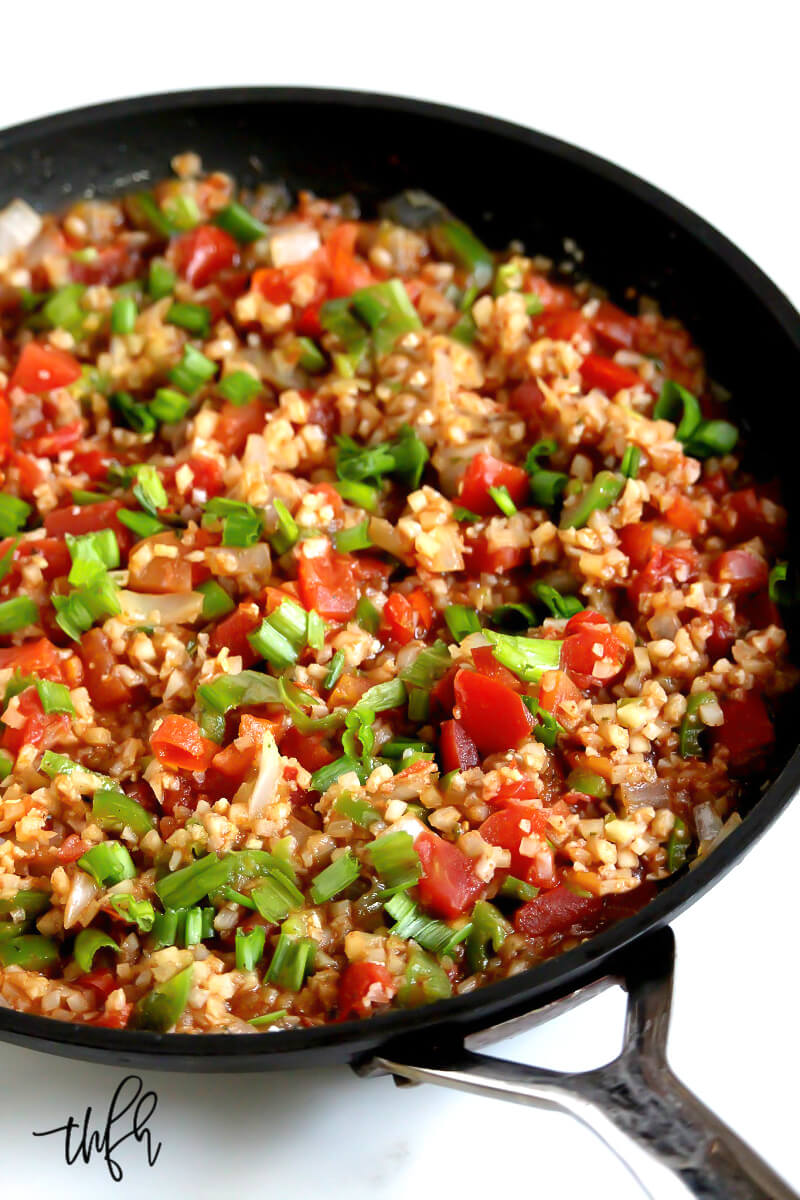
x: 81, y: 894
x: 637, y: 795
x: 19, y: 225
x: 293, y: 244
x: 707, y: 822
x: 266, y: 784
x: 239, y: 560
x: 384, y: 535
x: 178, y: 608
x: 733, y: 822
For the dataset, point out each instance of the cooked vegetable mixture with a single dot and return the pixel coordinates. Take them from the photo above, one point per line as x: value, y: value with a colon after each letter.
x: 379, y: 615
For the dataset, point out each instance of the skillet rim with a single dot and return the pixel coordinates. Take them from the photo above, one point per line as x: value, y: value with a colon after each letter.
x: 531, y: 989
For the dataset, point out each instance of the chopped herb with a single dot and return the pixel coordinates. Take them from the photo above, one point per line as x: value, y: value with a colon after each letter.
x: 169, y: 406
x: 559, y: 606
x: 236, y: 220
x: 107, y: 863
x: 123, y: 315
x: 17, y: 614
x: 249, y: 947
x: 334, y: 670
x: 461, y: 621
x: 502, y: 498
x: 630, y: 462
x: 367, y: 615
x: 87, y: 943
x: 335, y: 878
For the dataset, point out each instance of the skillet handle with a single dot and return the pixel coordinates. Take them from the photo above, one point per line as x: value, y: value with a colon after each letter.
x: 672, y: 1144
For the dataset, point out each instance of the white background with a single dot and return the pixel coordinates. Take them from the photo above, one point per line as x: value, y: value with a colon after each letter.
x: 701, y: 99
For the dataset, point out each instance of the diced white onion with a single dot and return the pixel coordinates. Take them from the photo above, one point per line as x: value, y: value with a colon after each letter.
x: 293, y: 245
x: 636, y: 795
x: 19, y: 225
x: 266, y: 784
x: 81, y: 894
x: 707, y: 822
x: 239, y: 560
x: 180, y: 608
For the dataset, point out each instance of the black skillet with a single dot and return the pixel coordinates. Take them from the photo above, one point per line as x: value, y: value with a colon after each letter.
x: 507, y: 182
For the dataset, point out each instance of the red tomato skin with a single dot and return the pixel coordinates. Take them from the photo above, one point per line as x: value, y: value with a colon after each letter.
x: 636, y: 542
x: 178, y: 743
x: 235, y: 423
x: 503, y: 829
x: 493, y: 715
x: 563, y: 326
x: 233, y: 630
x: 89, y: 518
x: 615, y: 328
x: 330, y: 583
x: 309, y: 749
x: 556, y: 689
x: 747, y: 731
x: 40, y: 728
x: 746, y: 573
x: 484, y: 560
x: 750, y: 518
x: 449, y: 885
x: 555, y: 911
x: 201, y: 253
x: 6, y: 429
x: 487, y: 664
x: 208, y: 476
x: 606, y: 375
x: 457, y: 749
x: 71, y: 848
x: 363, y: 985
x: 99, y: 980
x: 579, y: 656
x: 39, y: 657
x: 40, y: 369
x: 118, y: 1018
x: 399, y: 619
x: 443, y: 695
x: 683, y: 515
x: 50, y: 445
x: 527, y: 399
x: 348, y: 273
x: 720, y: 639
x: 485, y: 471
x: 105, y: 688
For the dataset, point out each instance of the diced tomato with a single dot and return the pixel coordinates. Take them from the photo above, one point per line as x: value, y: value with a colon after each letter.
x: 30, y: 474
x: 674, y: 564
x: 202, y: 252
x: 457, y: 749
x: 115, y: 1018
x: 39, y: 728
x: 106, y: 689
x: 487, y: 664
x: 329, y: 583
x: 6, y: 429
x: 347, y: 271
x: 563, y: 326
x: 555, y: 690
x: 614, y: 327
x: 743, y: 571
x: 100, y: 981
x: 720, y: 639
x: 407, y: 617
x: 235, y: 423
x: 508, y: 827
x: 493, y: 715
x: 179, y: 744
x: 579, y: 620
x: 556, y: 911
x: 71, y: 848
x: 364, y: 986
x: 717, y: 484
x: 273, y: 285
x: 750, y: 516
x: 88, y: 518
x: 159, y: 575
x: 231, y: 633
x: 111, y: 265
x: 683, y: 515
x: 443, y: 695
x: 485, y: 471
x: 39, y: 657
x: 593, y: 657
x: 747, y: 731
x: 637, y: 543
x: 494, y: 560
x: 309, y: 749
x: 93, y: 462
x: 208, y: 475
x: 528, y: 400
x: 40, y: 368
x: 609, y: 376
x: 330, y: 493
x: 449, y: 885
x: 50, y: 445
x: 553, y: 296
x: 235, y: 762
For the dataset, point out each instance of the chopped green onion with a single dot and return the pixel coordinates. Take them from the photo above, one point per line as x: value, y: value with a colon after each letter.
x: 322, y: 779
x: 142, y: 524
x: 316, y: 630
x: 162, y: 1007
x: 92, y: 555
x: 560, y: 606
x: 526, y: 657
x: 335, y: 317
x: 429, y: 665
x: 140, y: 912
x: 454, y: 240
x: 631, y: 459
x: 182, y: 211
x: 78, y: 612
x: 678, y: 405
x: 250, y: 947
x: 361, y: 494
x: 148, y: 489
x: 360, y: 812
x: 53, y: 764
x: 489, y: 928
x: 146, y: 213
x: 518, y: 888
x: 271, y: 645
x: 367, y: 615
x: 355, y: 538
x: 6, y: 765
x: 30, y: 951
x: 136, y: 416
x: 216, y: 601
x: 161, y: 279
x: 335, y: 669
x: 515, y: 618
x: 87, y: 943
x: 30, y: 901
x: 547, y: 487
x: 236, y: 220
x: 678, y: 845
x: 7, y: 560
x: 54, y: 697
x: 291, y: 963
x: 692, y: 724
x: 239, y: 388
x: 712, y: 438
x: 123, y: 315
x: 405, y: 457
x: 502, y: 498
x: 267, y: 1019
x: 396, y: 861
x: 461, y: 621
x: 465, y: 330
x: 195, y: 318
x: 17, y: 614
x: 547, y: 729
x: 233, y: 691
x: 79, y: 496
x: 63, y: 310
x: 276, y: 897
x: 13, y: 514
x: 335, y: 878
x: 783, y: 587
x: 464, y: 514
x: 602, y: 492
x: 399, y: 747
x: 169, y: 406
x: 425, y: 981
x: 543, y: 449
x: 435, y: 936
x: 192, y: 371
x: 114, y: 810
x: 183, y: 888
x: 388, y: 311
x: 107, y: 863
x: 287, y: 532
x: 588, y: 783
x: 311, y: 357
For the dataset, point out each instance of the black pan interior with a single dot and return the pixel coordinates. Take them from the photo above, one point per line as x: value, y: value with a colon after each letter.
x: 508, y: 183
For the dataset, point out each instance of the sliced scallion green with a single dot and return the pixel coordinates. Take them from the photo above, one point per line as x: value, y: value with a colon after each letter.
x: 337, y: 876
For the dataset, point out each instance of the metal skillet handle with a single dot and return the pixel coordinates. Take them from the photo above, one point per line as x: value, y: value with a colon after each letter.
x: 668, y: 1139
